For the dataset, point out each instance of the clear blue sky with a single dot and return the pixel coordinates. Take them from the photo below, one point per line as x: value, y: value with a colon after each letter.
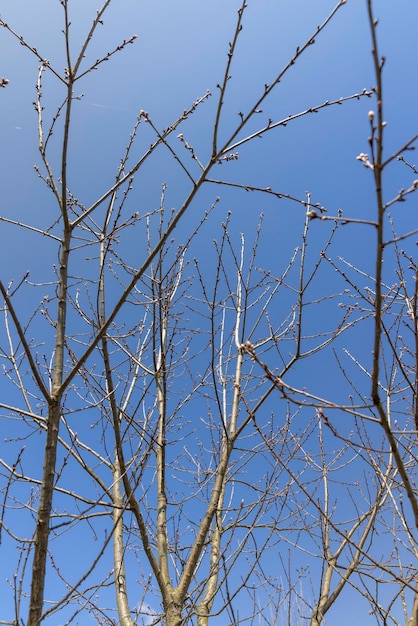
x: 179, y: 54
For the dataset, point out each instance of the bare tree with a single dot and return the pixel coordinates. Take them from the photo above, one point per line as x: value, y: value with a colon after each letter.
x: 188, y: 475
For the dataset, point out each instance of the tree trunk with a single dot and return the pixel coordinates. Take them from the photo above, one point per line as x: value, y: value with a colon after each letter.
x: 174, y: 614
x: 44, y: 513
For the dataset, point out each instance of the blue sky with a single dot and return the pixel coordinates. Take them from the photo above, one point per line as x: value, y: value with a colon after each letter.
x: 179, y: 54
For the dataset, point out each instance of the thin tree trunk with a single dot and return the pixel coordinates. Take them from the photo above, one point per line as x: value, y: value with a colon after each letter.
x: 118, y: 549
x: 44, y: 513
x: 50, y: 454
x: 413, y: 620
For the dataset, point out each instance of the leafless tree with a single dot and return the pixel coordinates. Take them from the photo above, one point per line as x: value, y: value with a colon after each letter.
x: 187, y: 476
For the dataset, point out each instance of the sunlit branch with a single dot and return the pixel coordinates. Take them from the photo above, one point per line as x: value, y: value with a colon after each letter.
x: 290, y: 118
